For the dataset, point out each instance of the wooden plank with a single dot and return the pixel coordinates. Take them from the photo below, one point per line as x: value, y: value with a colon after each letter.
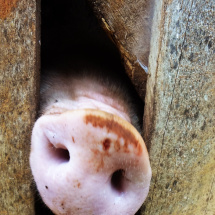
x: 180, y: 109
x: 128, y: 24
x: 19, y: 66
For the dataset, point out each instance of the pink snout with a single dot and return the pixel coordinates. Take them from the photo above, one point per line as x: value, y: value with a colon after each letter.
x: 89, y: 162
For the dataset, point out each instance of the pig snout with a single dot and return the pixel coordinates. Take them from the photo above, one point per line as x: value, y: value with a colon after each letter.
x: 89, y: 162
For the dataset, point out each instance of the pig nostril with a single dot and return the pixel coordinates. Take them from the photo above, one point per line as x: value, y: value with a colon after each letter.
x: 59, y: 154
x: 62, y: 154
x: 117, y: 180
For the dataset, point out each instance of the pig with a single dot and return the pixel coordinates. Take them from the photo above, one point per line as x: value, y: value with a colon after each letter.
x: 87, y: 154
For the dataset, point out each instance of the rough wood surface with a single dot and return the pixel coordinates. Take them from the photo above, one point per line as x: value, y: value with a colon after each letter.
x: 180, y: 109
x: 128, y: 23
x: 18, y: 98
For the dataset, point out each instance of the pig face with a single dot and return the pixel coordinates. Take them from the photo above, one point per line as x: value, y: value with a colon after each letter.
x: 86, y: 156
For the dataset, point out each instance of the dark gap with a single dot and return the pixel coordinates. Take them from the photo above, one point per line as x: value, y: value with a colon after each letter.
x: 72, y: 35
x: 138, y: 212
x: 40, y: 207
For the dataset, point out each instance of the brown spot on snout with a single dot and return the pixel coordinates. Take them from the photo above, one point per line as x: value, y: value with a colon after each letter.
x: 106, y: 144
x: 73, y: 139
x: 77, y: 184
x: 116, y: 127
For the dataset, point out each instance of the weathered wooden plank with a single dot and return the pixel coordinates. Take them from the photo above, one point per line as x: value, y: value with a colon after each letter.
x: 180, y: 109
x: 19, y: 67
x: 128, y: 23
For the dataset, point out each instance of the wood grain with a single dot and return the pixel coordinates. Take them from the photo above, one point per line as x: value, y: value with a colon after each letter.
x: 19, y: 71
x: 179, y: 112
x: 128, y: 24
